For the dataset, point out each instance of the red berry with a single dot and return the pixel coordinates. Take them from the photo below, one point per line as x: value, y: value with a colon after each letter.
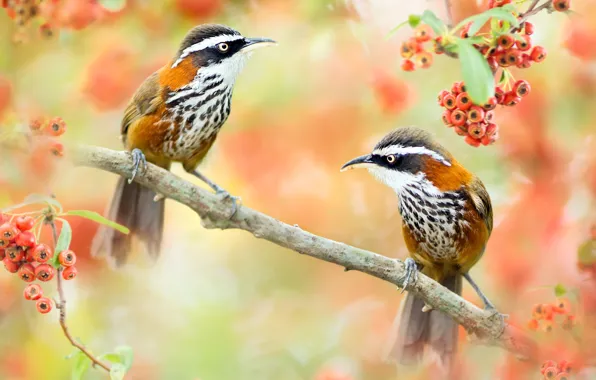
x: 441, y: 96
x: 25, y: 239
x: 472, y: 141
x: 538, y: 54
x: 521, y: 88
x: 491, y: 104
x: 501, y: 58
x: 55, y: 127
x: 463, y: 101
x: 525, y: 62
x: 562, y: 306
x: 458, y: 88
x: 11, y: 266
x: 27, y: 273
x: 449, y: 101
x: 499, y: 95
x: 407, y: 50
x: 477, y: 130
x: 423, y: 33
x: 547, y: 364
x: 8, y: 232
x: 564, y: 366
x: 2, y: 254
x: 446, y: 117
x: 57, y: 149
x: 69, y: 273
x: 14, y: 253
x: 561, y: 5
x: 529, y: 28
x: 33, y: 292
x: 67, y: 258
x: 408, y: 65
x: 44, y: 305
x: 475, y: 114
x: 489, y: 116
x: 513, y: 57
x: 525, y: 43
x: 4, y: 243
x: 550, y: 372
x: 505, y: 41
x: 35, y: 125
x: 424, y: 59
x: 458, y: 117
x: 511, y: 99
x: 44, y: 272
x: 533, y: 324
x: 492, y: 63
x: 42, y: 253
x: 461, y: 130
x: 24, y: 223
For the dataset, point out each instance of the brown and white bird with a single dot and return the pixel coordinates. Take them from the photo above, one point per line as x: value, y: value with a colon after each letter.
x: 447, y: 220
x: 174, y: 116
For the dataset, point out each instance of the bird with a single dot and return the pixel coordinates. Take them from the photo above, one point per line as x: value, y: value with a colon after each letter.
x: 174, y: 116
x: 447, y: 219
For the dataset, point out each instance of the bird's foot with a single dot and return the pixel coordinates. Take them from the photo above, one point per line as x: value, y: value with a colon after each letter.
x: 494, y: 313
x: 138, y: 159
x: 225, y: 195
x: 411, y: 273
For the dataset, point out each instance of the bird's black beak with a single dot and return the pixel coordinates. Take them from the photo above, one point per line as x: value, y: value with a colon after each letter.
x: 251, y: 44
x: 358, y: 162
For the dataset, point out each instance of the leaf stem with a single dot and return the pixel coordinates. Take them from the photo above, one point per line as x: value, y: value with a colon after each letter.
x: 62, y: 307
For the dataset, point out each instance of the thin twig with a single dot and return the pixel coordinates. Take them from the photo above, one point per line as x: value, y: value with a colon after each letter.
x: 533, y: 5
x: 532, y: 10
x: 62, y: 307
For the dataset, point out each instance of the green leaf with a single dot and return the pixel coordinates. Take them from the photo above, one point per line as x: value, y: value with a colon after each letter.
x: 399, y: 26
x: 413, y: 20
x: 111, y: 357
x: 430, y: 19
x: 113, y: 5
x: 36, y: 199
x: 117, y: 371
x: 560, y: 290
x: 92, y: 215
x: 63, y: 242
x: 586, y: 254
x: 80, y: 365
x: 476, y: 73
x: 480, y: 19
x: 126, y: 354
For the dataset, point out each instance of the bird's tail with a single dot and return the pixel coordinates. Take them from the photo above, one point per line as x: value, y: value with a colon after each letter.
x: 417, y: 330
x: 132, y: 206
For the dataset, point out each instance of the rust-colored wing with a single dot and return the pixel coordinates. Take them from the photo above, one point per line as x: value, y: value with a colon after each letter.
x: 144, y: 102
x: 482, y: 202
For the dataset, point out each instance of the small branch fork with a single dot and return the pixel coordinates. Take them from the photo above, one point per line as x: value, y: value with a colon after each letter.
x: 61, y: 305
x: 487, y: 327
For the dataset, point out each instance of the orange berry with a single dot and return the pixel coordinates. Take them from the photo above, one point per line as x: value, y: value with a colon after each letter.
x: 10, y: 265
x: 477, y: 130
x: 67, y: 258
x: 561, y: 5
x: 499, y: 95
x: 489, y: 116
x: 408, y: 65
x: 491, y: 104
x: 524, y: 44
x: 538, y: 54
x: 564, y: 366
x: 528, y: 28
x: 563, y: 305
x: 462, y: 130
x: 441, y: 96
x: 513, y: 57
x: 27, y: 273
x: 533, y: 324
x: 446, y: 117
x: 449, y: 101
x: 57, y: 149
x: 472, y: 141
x: 9, y: 232
x: 501, y: 58
x: 407, y: 49
x: 505, y: 41
x: 44, y: 272
x: 424, y: 59
x: 526, y: 61
x: 537, y: 311
x: 547, y: 364
x: 33, y: 292
x: 475, y: 114
x: 458, y: 117
x: 14, y: 253
x: 44, y: 305
x: 24, y: 223
x: 521, y: 88
x: 69, y: 273
x: 458, y: 88
x: 55, y: 127
x: 511, y: 99
x: 423, y: 33
x: 42, y: 253
x: 550, y: 372
x: 463, y: 101
x: 25, y: 239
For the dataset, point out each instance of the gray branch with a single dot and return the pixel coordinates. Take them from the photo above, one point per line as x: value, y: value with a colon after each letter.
x: 486, y: 328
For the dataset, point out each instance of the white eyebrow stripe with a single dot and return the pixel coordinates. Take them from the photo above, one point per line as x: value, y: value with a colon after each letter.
x: 211, y: 41
x: 402, y: 150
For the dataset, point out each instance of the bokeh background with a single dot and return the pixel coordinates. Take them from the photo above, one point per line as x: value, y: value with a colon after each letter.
x: 225, y: 305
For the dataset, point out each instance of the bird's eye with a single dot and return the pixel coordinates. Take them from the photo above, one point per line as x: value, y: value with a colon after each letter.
x: 390, y: 159
x: 223, y: 47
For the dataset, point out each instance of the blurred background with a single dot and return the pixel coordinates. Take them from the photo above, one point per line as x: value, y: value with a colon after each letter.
x: 225, y: 305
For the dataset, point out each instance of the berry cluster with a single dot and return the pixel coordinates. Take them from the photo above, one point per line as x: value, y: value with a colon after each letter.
x: 552, y: 370
x: 545, y: 315
x: 413, y: 51
x: 50, y: 130
x: 23, y: 254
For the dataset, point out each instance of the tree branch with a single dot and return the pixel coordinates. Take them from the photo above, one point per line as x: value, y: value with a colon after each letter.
x: 62, y: 308
x: 217, y: 214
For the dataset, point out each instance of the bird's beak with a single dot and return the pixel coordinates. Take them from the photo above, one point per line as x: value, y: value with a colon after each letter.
x: 256, y: 43
x: 358, y: 162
